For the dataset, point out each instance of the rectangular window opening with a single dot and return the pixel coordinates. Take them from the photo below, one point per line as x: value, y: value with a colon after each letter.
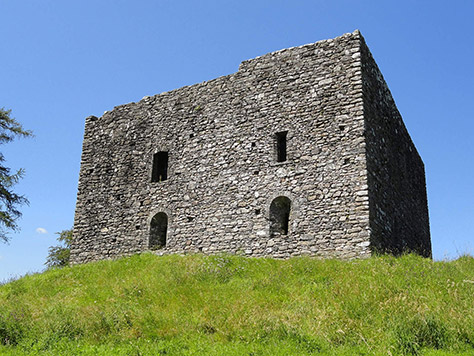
x: 281, y: 146
x: 160, y: 167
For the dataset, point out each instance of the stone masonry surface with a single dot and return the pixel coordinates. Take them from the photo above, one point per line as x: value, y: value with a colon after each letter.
x: 300, y: 152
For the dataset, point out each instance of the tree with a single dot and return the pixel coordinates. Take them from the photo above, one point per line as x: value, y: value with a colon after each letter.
x: 58, y: 256
x: 9, y: 200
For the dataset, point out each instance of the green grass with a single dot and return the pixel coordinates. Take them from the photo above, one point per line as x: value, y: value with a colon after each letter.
x: 231, y: 305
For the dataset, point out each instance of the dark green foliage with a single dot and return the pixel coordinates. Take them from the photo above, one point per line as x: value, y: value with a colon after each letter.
x: 58, y: 256
x: 11, y: 327
x: 9, y: 200
x: 418, y: 332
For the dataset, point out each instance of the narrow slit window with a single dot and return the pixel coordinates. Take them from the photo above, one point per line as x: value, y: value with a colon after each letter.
x: 281, y: 146
x: 160, y: 167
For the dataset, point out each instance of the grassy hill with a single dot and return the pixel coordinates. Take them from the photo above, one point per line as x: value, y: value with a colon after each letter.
x: 231, y: 305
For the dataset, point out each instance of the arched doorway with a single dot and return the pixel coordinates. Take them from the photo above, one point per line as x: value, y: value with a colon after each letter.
x: 280, y: 216
x: 158, y: 230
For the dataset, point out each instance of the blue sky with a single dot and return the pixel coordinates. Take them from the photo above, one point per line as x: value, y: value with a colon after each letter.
x: 62, y: 61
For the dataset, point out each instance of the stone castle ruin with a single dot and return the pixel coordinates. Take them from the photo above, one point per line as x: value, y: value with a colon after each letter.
x: 300, y: 152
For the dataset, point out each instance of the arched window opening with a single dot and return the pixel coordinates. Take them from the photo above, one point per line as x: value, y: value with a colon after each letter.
x: 158, y: 230
x: 280, y: 216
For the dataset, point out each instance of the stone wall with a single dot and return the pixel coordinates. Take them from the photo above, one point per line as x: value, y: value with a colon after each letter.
x: 223, y: 173
x: 223, y: 170
x: 396, y: 175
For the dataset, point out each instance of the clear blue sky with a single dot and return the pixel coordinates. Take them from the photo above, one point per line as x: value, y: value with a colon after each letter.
x: 62, y: 61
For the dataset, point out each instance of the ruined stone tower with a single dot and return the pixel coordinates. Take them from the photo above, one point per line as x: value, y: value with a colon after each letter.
x: 300, y: 152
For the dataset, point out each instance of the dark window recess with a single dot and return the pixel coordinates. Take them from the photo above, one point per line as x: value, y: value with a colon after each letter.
x: 280, y: 216
x: 158, y: 230
x: 257, y: 211
x: 281, y: 146
x: 160, y: 167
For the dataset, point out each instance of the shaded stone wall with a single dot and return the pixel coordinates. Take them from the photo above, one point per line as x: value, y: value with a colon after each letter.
x: 396, y: 175
x: 223, y: 172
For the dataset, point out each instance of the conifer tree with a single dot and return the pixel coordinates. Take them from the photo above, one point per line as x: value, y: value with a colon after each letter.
x: 9, y: 200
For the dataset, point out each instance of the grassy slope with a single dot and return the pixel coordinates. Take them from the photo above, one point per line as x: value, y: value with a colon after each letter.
x: 229, y: 305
